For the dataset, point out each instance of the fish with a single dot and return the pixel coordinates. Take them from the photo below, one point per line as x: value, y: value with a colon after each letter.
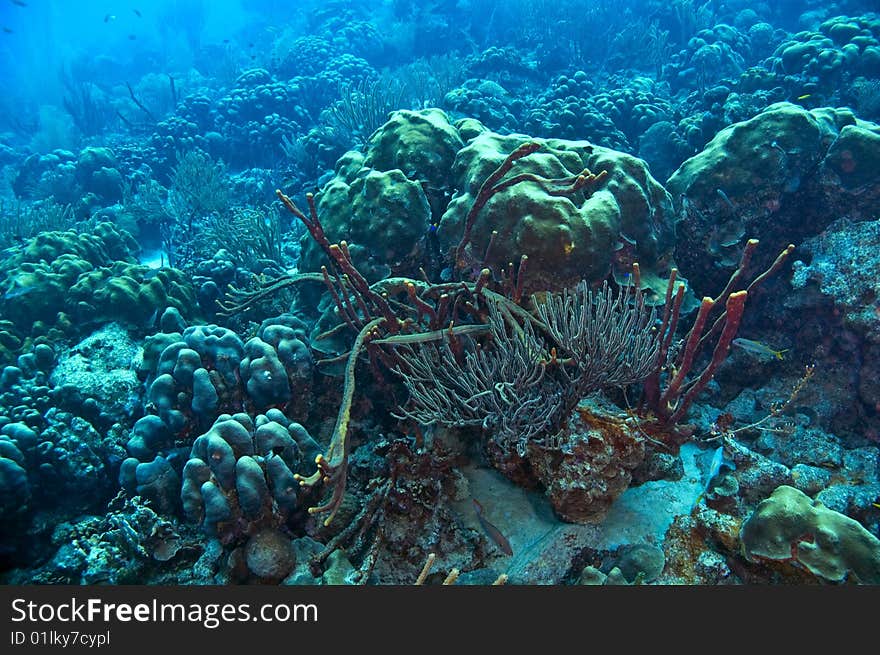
x: 8, y: 30
x: 493, y: 532
x: 16, y: 290
x: 109, y: 17
x: 137, y: 13
x: 131, y: 37
x: 805, y: 96
x: 726, y: 199
x: 759, y: 348
x: 717, y: 461
x: 714, y: 469
x: 20, y: 3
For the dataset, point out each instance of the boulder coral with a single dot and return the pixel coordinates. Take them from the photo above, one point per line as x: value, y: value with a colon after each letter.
x: 59, y: 282
x: 568, y: 237
x: 197, y: 375
x: 791, y: 527
x: 192, y: 377
x: 384, y: 202
x: 821, y: 60
x: 422, y: 173
x: 780, y: 177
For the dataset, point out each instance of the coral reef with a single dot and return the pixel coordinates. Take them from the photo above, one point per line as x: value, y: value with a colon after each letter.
x: 474, y: 293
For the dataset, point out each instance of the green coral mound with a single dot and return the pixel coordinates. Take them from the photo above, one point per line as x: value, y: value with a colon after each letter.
x: 103, y: 244
x: 423, y: 144
x: 60, y: 282
x: 36, y: 279
x: 781, y: 177
x: 626, y: 218
x: 853, y: 159
x: 756, y: 158
x: 382, y: 215
x: 843, y: 46
x: 130, y: 293
x: 383, y: 202
x: 789, y: 525
x: 421, y: 172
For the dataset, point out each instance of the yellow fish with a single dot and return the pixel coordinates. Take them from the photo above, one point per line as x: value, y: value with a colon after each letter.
x: 759, y: 348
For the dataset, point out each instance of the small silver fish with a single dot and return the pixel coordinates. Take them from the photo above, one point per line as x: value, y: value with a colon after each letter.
x: 17, y: 289
x: 726, y: 199
x: 714, y: 469
x: 717, y: 461
x: 758, y: 348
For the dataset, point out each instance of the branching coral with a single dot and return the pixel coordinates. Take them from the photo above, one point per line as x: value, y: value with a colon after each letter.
x: 523, y: 384
x: 199, y: 189
x: 502, y: 387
